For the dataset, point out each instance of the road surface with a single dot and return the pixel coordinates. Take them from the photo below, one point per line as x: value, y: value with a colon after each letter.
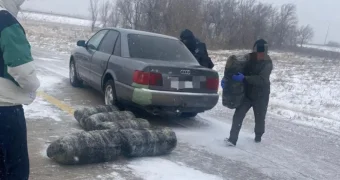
x: 288, y: 151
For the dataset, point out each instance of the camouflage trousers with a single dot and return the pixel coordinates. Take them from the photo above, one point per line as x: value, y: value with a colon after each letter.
x: 260, y: 110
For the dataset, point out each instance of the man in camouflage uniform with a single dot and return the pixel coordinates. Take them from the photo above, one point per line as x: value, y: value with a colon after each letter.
x: 257, y: 87
x: 18, y: 85
x: 197, y: 48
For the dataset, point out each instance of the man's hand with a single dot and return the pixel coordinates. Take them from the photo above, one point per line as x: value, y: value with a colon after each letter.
x: 222, y: 83
x: 239, y: 77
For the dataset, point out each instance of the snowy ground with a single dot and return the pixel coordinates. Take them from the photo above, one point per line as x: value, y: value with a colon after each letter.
x: 304, y: 90
x: 301, y: 141
x: 322, y: 47
x: 44, y: 17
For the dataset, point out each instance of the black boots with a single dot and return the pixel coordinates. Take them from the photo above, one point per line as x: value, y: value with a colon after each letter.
x: 232, y: 143
x: 257, y: 139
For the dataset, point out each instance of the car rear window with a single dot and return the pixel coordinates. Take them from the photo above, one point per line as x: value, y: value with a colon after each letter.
x: 158, y: 48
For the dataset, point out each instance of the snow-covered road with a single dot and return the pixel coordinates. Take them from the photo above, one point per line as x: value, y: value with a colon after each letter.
x: 288, y: 151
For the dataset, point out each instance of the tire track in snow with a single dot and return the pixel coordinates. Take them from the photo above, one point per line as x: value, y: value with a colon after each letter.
x: 62, y: 72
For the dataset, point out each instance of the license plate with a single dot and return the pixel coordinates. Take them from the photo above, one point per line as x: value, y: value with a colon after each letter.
x: 186, y: 82
x: 181, y: 84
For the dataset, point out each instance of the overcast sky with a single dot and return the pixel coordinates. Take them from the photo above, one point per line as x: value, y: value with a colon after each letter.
x: 318, y: 13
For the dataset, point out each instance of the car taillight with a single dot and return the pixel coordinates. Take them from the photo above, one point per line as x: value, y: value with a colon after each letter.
x: 212, y: 83
x: 156, y: 79
x: 147, y: 78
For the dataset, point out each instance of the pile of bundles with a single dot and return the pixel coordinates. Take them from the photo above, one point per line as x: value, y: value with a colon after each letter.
x: 233, y: 91
x: 108, y: 134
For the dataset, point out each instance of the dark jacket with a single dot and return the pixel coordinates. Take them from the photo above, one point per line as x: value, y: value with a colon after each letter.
x: 201, y: 54
x: 257, y: 77
x: 197, y: 48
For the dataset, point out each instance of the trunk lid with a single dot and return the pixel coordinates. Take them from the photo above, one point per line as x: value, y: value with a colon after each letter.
x: 184, y: 77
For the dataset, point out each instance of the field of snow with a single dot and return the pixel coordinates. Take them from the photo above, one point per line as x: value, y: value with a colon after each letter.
x: 55, y: 37
x: 78, y: 8
x: 57, y: 19
x: 321, y: 47
x: 303, y: 89
x: 45, y: 17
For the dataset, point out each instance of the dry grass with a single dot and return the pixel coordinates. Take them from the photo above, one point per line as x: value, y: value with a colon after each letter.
x: 55, y: 37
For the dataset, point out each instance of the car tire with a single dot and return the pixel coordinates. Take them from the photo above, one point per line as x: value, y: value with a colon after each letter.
x: 73, y: 76
x: 188, y: 114
x: 110, y: 93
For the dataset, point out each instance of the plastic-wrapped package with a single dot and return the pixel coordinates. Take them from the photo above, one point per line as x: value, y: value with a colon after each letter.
x: 148, y: 142
x: 85, y: 112
x: 113, y: 120
x: 86, y: 147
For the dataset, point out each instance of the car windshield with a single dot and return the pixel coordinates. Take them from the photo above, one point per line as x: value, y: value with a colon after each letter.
x: 158, y: 48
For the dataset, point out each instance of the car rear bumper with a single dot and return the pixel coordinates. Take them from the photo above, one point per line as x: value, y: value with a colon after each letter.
x: 167, y: 100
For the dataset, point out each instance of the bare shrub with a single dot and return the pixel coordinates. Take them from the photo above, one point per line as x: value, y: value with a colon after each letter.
x: 306, y: 33
x: 94, y: 13
x: 220, y: 23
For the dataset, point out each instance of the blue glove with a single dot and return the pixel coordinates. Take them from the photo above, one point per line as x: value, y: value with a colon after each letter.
x: 239, y: 77
x: 222, y: 83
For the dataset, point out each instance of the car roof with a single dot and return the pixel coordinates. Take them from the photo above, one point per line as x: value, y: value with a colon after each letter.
x: 132, y: 31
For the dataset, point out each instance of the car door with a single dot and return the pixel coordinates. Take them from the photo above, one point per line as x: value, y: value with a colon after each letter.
x: 101, y: 57
x: 84, y: 63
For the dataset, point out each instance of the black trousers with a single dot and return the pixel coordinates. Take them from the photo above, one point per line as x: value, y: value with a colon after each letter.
x: 14, y: 161
x: 260, y: 110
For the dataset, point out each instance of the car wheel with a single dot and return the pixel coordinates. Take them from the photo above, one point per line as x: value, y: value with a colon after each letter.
x: 188, y: 114
x: 110, y: 93
x: 74, y: 79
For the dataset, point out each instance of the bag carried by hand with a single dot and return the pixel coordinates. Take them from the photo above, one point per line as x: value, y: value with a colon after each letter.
x: 233, y: 91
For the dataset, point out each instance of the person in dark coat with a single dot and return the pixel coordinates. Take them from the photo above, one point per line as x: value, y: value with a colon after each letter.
x: 197, y: 48
x: 257, y: 88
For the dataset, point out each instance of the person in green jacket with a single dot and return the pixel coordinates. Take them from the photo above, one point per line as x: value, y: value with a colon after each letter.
x: 257, y: 90
x: 18, y: 86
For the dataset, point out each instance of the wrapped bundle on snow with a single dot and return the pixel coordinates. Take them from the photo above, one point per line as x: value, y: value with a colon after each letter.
x: 86, y: 148
x: 113, y: 120
x: 233, y: 91
x: 83, y: 113
x: 136, y: 123
x: 147, y: 142
x: 93, y: 122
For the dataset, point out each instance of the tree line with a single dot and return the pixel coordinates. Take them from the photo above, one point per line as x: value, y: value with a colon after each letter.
x: 220, y: 23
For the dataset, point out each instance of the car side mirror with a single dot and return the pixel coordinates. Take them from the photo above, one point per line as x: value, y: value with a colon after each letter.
x: 81, y: 43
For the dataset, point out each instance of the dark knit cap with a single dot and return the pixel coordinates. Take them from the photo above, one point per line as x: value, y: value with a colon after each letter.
x: 187, y: 34
x: 260, y: 46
